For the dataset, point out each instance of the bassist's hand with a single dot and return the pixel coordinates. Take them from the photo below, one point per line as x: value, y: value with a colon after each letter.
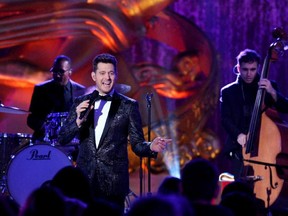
x: 266, y: 84
x: 242, y: 139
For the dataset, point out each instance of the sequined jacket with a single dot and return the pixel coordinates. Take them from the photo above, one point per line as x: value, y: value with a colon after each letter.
x: 107, y: 165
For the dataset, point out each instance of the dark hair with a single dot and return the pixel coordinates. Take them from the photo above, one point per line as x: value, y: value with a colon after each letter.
x: 170, y: 185
x: 247, y: 56
x: 104, y: 58
x: 199, y: 179
x: 57, y: 62
x: 73, y: 183
x: 239, y: 186
x: 168, y: 205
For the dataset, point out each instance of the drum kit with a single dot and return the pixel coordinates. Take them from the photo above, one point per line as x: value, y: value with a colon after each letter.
x: 25, y: 165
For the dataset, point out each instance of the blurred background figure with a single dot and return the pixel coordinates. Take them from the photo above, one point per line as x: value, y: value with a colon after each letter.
x: 240, y: 198
x: 8, y: 207
x: 53, y: 96
x: 49, y: 200
x: 170, y: 185
x: 103, y: 207
x: 200, y: 186
x: 168, y: 205
x: 44, y: 201
x: 73, y: 183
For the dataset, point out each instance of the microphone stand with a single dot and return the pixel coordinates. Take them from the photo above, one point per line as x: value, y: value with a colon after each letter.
x: 141, y: 177
x: 148, y: 99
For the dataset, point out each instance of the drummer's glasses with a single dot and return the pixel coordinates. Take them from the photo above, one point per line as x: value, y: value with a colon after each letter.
x: 60, y: 72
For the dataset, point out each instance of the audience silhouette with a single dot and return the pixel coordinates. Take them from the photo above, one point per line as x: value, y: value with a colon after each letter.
x: 201, y: 187
x: 240, y: 203
x: 155, y: 205
x: 194, y: 194
x: 44, y: 201
x: 73, y: 183
x: 240, y: 198
x: 170, y: 185
x: 8, y: 207
x: 102, y: 207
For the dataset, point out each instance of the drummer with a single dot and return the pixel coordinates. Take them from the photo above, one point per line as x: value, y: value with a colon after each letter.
x: 52, y: 96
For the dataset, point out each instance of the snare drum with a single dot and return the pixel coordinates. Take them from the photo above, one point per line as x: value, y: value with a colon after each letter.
x: 32, y: 166
x: 53, y: 123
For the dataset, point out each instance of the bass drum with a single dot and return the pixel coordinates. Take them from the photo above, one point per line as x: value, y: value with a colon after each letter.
x: 9, y: 144
x: 31, y: 167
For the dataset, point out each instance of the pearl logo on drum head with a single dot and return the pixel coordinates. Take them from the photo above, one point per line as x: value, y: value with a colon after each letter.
x: 35, y: 155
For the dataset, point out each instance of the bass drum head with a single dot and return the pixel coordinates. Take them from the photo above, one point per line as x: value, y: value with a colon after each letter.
x: 32, y: 166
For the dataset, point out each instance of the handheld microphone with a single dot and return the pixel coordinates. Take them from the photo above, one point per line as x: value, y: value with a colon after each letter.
x: 86, y: 112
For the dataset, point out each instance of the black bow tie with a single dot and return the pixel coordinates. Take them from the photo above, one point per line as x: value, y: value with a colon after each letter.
x: 104, y: 97
x: 95, y: 96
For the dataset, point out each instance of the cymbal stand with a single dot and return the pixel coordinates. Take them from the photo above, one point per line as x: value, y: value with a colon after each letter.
x: 3, y: 184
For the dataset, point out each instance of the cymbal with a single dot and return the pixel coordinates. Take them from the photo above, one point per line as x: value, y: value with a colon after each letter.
x: 12, y: 110
x: 121, y: 88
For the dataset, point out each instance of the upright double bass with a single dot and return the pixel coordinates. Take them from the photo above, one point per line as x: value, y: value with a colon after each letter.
x: 266, y: 150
